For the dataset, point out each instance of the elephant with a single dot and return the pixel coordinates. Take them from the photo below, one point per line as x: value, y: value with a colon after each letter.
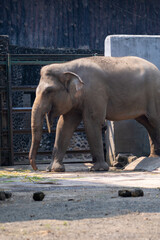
x: 94, y: 89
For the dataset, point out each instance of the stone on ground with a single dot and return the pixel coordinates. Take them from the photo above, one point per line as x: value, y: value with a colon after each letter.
x: 144, y: 164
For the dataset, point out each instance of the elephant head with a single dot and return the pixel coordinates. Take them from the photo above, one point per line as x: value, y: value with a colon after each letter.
x: 57, y: 93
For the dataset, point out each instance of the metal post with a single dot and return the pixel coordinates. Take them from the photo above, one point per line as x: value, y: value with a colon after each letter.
x: 0, y: 129
x: 10, y: 121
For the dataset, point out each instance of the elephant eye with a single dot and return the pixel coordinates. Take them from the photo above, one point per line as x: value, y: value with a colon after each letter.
x: 48, y: 90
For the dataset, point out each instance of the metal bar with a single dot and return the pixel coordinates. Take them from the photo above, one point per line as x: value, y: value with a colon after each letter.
x: 65, y: 161
x: 20, y: 88
x: 50, y: 152
x: 0, y: 129
x: 52, y: 54
x: 24, y: 88
x: 20, y: 110
x: 42, y: 59
x: 55, y: 57
x: 10, y: 123
x: 2, y: 88
x: 34, y: 62
x: 5, y: 149
x: 2, y: 62
x: 28, y: 131
x: 25, y: 109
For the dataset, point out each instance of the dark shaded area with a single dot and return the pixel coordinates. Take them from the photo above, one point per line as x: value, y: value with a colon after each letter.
x: 87, y: 202
x: 23, y: 76
x: 75, y: 24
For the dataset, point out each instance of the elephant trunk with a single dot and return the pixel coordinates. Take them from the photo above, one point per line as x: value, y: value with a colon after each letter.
x: 36, y: 128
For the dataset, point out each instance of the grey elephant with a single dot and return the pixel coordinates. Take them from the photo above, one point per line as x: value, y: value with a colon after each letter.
x: 94, y: 89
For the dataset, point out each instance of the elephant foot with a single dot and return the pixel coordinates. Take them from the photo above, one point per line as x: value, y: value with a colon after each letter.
x: 100, y: 166
x: 55, y: 167
x: 155, y: 153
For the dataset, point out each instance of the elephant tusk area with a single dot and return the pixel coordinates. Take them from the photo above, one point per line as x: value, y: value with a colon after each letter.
x: 48, y: 124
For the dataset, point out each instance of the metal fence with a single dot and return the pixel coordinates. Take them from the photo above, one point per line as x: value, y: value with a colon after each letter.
x: 7, y: 112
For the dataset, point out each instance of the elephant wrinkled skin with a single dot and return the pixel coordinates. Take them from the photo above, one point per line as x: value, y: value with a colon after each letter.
x: 94, y: 89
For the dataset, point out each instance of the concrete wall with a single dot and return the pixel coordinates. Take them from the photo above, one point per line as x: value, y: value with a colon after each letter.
x: 145, y: 46
x: 128, y: 136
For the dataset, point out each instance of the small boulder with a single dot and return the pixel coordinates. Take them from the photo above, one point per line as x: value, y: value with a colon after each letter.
x: 8, y: 195
x: 131, y: 193
x: 38, y: 196
x: 2, y: 196
x: 124, y: 193
x: 123, y: 159
x: 137, y: 193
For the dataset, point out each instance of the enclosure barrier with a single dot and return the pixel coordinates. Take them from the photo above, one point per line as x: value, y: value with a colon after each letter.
x: 24, y: 59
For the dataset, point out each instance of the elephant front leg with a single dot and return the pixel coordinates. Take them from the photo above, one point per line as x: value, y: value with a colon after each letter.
x: 65, y: 128
x: 94, y: 135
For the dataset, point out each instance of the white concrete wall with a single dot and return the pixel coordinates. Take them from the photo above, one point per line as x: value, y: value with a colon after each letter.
x: 129, y: 136
x: 145, y: 46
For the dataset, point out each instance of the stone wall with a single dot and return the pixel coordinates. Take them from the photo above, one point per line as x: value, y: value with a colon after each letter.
x: 129, y: 136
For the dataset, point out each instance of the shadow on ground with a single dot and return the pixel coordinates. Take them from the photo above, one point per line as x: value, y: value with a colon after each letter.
x: 75, y: 195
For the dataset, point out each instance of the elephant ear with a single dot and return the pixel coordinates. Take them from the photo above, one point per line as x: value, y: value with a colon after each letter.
x: 72, y: 80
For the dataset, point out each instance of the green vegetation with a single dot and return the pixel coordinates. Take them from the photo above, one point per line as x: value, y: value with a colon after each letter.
x: 23, y: 176
x: 7, y: 176
x: 33, y: 179
x: 22, y: 170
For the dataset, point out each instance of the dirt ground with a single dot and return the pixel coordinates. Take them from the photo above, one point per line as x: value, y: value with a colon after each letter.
x: 79, y: 204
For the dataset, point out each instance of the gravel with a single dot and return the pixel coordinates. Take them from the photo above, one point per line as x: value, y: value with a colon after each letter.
x: 81, y: 205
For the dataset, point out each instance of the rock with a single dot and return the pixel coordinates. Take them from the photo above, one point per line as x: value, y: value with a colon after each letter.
x: 124, y: 193
x: 123, y: 159
x: 5, y: 195
x: 2, y: 196
x: 8, y: 194
x: 38, y: 196
x: 137, y: 192
x: 131, y: 193
x: 144, y: 164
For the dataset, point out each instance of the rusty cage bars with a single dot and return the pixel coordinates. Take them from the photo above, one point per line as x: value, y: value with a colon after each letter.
x: 26, y: 59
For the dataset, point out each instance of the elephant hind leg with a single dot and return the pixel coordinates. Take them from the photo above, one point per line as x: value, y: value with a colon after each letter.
x: 94, y: 135
x: 153, y: 128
